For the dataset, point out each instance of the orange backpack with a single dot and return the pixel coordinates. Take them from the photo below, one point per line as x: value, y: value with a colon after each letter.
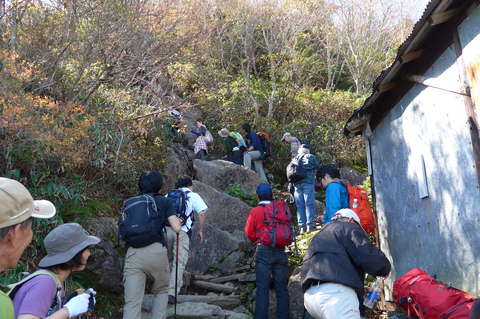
x: 358, y: 200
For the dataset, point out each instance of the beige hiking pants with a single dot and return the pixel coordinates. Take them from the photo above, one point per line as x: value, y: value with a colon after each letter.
x: 151, y: 261
x: 183, y: 250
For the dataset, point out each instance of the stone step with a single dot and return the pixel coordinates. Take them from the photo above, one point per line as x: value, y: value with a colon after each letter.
x: 198, y: 310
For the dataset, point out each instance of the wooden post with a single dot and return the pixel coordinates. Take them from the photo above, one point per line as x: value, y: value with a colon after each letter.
x: 469, y: 106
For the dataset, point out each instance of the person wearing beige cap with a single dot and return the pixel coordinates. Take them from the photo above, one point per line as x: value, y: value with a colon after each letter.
x: 42, y: 294
x: 17, y: 208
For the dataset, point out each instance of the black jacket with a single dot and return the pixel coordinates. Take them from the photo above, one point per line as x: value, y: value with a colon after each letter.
x: 342, y: 253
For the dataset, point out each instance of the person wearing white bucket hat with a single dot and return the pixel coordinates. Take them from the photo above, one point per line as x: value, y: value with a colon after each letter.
x: 42, y: 294
x: 17, y: 208
x: 335, y: 265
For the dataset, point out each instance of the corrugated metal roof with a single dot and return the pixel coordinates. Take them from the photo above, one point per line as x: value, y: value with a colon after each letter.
x: 412, y: 43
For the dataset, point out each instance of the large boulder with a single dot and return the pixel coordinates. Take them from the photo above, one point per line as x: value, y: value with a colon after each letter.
x: 105, y: 263
x: 224, y: 211
x: 178, y: 164
x: 231, y: 262
x: 295, y: 293
x: 235, y: 315
x: 352, y: 176
x: 185, y: 310
x: 197, y: 310
x: 217, y: 245
x: 220, y: 174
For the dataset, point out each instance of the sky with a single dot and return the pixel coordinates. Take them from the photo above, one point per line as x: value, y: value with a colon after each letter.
x: 418, y: 7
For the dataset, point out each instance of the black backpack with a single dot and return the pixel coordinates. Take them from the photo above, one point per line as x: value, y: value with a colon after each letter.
x: 141, y: 224
x: 295, y: 171
x: 179, y: 200
x: 312, y: 148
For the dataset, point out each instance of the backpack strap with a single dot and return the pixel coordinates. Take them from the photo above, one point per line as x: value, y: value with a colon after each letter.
x: 151, y: 198
x: 57, y: 302
x: 299, y: 160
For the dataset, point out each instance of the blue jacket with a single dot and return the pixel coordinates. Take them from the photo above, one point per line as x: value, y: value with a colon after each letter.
x: 254, y: 140
x: 336, y: 199
x: 310, y: 164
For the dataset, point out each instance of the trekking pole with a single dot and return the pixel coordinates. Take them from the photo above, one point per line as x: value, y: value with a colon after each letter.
x: 176, y: 278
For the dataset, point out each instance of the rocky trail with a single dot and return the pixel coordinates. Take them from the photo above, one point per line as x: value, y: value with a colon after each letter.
x: 219, y: 278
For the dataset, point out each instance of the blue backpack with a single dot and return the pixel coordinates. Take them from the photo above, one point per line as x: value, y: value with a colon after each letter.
x: 179, y: 201
x: 141, y: 224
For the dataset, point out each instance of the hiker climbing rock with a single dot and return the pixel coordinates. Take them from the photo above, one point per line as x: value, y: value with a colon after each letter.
x: 17, y: 210
x: 141, y: 226
x: 334, y: 268
x: 304, y: 188
x: 204, y: 137
x: 234, y: 146
x: 293, y: 141
x: 336, y: 193
x: 269, y: 226
x: 254, y: 151
x: 186, y: 202
x: 42, y: 294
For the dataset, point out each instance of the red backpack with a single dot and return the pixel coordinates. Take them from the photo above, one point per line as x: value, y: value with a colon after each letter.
x: 423, y: 296
x: 363, y: 209
x: 277, y: 230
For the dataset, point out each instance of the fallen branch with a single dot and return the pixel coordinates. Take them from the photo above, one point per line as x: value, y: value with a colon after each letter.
x: 212, y: 286
x: 159, y: 112
x: 243, y: 268
x: 204, y: 277
x: 227, y: 278
x: 233, y: 277
x: 231, y: 301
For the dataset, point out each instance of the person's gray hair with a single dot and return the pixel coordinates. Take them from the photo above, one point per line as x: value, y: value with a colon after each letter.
x: 23, y: 225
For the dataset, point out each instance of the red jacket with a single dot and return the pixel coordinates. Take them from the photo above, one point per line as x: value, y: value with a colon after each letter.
x: 255, y: 223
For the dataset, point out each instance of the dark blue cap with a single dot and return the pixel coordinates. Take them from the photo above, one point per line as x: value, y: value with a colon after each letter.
x: 264, y: 190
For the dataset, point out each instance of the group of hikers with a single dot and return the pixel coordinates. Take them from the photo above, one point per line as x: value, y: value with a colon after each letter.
x: 157, y: 230
x: 245, y: 148
x: 151, y: 225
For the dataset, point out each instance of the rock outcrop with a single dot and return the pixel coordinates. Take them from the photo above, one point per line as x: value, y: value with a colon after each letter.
x: 353, y: 176
x: 217, y: 245
x: 220, y: 174
x: 193, y: 310
x: 105, y: 262
x: 178, y: 164
x: 224, y: 211
x: 296, y: 294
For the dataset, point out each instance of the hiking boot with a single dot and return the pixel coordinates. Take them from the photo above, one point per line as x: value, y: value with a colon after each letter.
x: 171, y: 299
x: 311, y: 228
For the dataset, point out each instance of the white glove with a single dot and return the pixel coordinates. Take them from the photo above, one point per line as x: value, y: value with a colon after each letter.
x: 91, y: 292
x: 77, y: 305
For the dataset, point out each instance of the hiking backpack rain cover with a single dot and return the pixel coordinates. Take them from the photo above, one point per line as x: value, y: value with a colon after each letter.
x: 363, y: 210
x: 277, y: 220
x: 426, y: 298
x: 140, y: 223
